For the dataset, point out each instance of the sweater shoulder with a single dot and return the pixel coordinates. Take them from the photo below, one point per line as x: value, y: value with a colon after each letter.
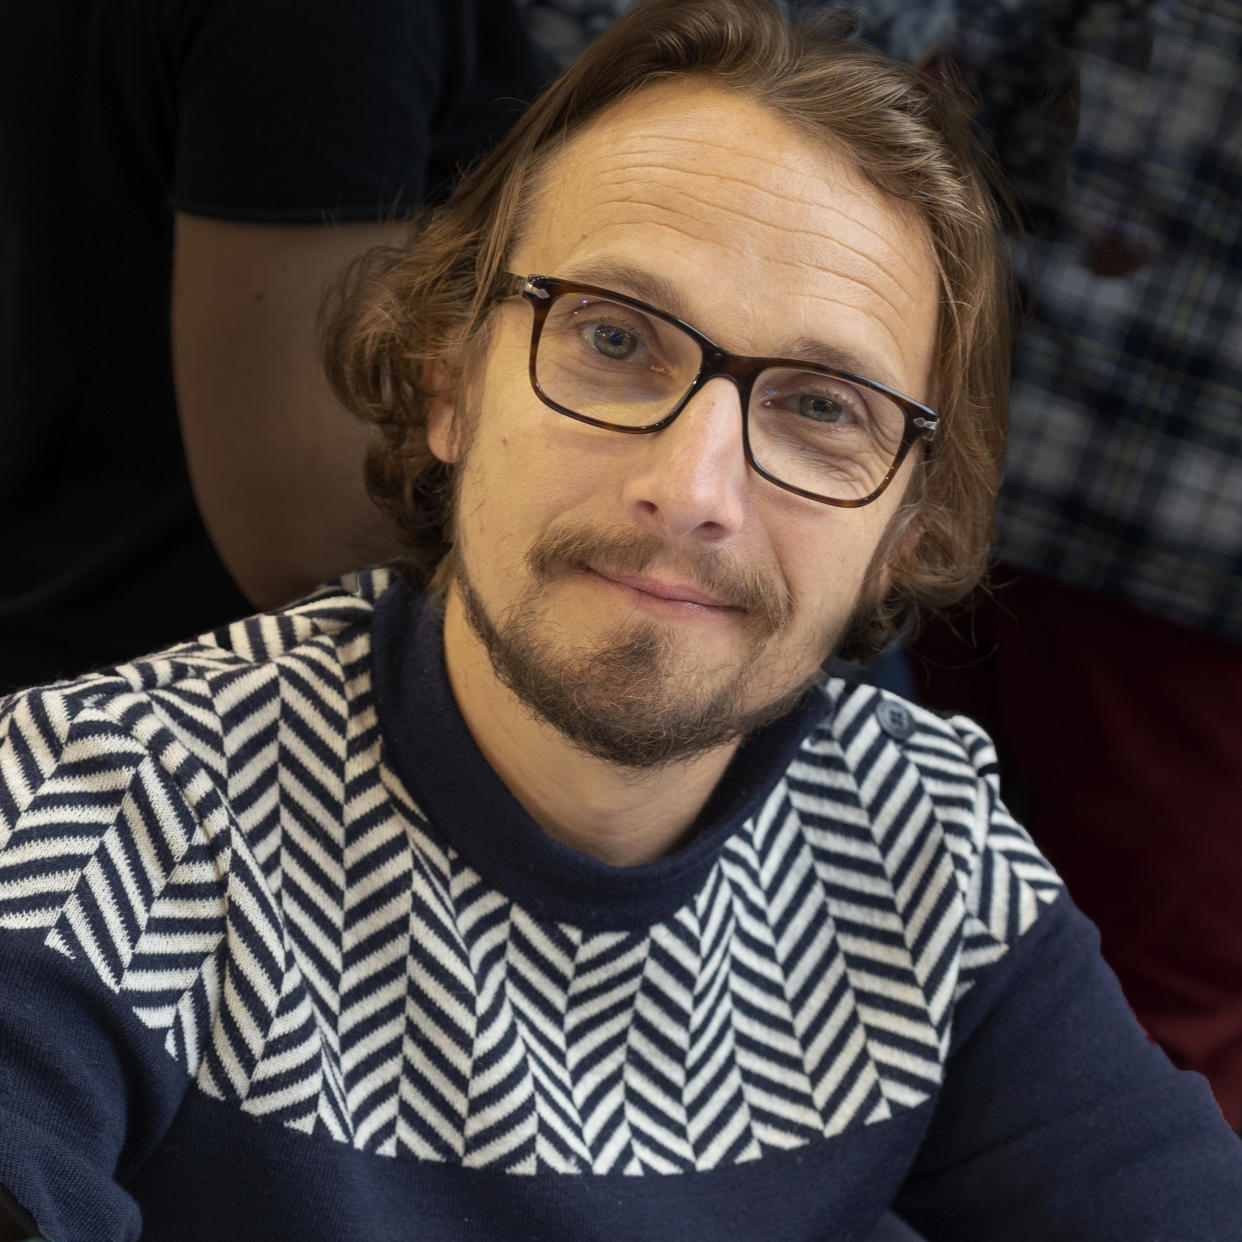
x: 138, y: 771
x: 325, y: 619
x: 923, y: 790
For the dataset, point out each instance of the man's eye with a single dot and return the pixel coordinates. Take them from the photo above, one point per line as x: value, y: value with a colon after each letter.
x: 837, y: 406
x: 821, y: 409
x: 614, y: 342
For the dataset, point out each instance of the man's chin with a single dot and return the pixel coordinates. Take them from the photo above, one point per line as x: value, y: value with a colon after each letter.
x: 637, y: 701
x: 645, y: 732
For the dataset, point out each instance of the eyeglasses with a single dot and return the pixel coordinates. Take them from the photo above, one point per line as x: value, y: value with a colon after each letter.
x: 614, y: 362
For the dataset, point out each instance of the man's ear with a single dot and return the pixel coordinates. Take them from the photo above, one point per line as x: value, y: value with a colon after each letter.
x: 442, y: 437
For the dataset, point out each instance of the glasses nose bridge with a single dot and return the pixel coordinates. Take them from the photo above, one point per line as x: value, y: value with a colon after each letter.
x: 718, y: 363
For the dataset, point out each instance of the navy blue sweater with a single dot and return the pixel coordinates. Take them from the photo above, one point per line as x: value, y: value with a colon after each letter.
x: 280, y: 957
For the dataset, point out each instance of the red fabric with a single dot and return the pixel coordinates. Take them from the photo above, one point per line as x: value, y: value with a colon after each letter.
x: 1121, y: 741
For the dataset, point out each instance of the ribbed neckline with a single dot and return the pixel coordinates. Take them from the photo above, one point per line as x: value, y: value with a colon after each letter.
x: 429, y: 746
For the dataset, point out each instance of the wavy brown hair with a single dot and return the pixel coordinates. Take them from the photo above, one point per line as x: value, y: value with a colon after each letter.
x: 403, y: 319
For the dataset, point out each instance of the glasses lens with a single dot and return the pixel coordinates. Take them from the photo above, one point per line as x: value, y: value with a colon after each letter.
x: 612, y: 362
x: 822, y: 433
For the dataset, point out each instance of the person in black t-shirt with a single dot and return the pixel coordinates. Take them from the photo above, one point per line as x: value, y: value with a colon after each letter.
x: 217, y: 161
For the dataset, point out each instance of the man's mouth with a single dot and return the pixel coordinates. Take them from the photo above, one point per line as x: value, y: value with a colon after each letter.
x: 656, y: 576
x: 671, y: 589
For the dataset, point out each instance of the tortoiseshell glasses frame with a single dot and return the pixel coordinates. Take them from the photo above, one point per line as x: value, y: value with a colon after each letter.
x: 865, y: 461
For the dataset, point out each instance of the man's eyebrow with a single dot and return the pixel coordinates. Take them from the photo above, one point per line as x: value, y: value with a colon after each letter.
x: 646, y: 286
x: 635, y: 282
x: 804, y: 349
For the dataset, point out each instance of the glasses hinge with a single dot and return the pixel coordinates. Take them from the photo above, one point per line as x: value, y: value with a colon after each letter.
x: 536, y: 290
x: 929, y: 425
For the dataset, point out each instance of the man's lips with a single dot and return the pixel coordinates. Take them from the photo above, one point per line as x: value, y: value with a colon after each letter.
x: 674, y: 592
x: 664, y: 579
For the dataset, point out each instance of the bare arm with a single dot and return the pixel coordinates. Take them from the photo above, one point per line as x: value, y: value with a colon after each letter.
x: 275, y: 462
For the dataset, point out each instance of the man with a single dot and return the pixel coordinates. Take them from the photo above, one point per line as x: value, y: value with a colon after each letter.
x: 561, y: 900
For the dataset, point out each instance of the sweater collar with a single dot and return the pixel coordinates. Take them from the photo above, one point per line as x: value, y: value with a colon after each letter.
x: 428, y: 745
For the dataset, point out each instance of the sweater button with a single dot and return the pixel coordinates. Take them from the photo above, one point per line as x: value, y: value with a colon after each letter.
x: 895, y: 719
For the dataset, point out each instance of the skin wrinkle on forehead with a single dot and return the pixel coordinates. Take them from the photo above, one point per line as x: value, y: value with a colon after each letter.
x: 795, y: 233
x: 829, y: 159
x: 897, y: 257
x: 615, y: 175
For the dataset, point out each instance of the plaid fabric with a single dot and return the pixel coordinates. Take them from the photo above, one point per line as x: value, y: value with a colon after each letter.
x: 1125, y: 467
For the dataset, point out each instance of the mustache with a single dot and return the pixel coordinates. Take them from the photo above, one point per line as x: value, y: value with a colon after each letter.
x: 766, y: 603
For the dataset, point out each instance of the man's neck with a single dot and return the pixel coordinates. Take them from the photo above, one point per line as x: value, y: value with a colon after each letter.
x: 622, y: 816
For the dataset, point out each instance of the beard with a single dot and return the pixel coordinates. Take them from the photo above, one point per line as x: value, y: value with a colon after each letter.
x: 636, y: 698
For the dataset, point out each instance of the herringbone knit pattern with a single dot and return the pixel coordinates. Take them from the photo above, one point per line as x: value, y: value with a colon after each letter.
x: 218, y: 834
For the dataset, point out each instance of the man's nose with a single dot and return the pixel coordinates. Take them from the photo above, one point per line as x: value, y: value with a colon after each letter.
x: 690, y: 480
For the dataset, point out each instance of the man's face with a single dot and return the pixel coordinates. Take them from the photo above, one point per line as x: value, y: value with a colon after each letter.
x: 650, y: 595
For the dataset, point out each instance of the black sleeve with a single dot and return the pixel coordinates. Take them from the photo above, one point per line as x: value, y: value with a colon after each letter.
x: 1058, y: 1119
x: 313, y: 109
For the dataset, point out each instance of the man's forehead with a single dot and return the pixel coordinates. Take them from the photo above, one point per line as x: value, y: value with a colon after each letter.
x: 719, y: 209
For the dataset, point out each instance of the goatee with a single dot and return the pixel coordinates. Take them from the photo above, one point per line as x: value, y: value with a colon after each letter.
x: 633, y: 699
